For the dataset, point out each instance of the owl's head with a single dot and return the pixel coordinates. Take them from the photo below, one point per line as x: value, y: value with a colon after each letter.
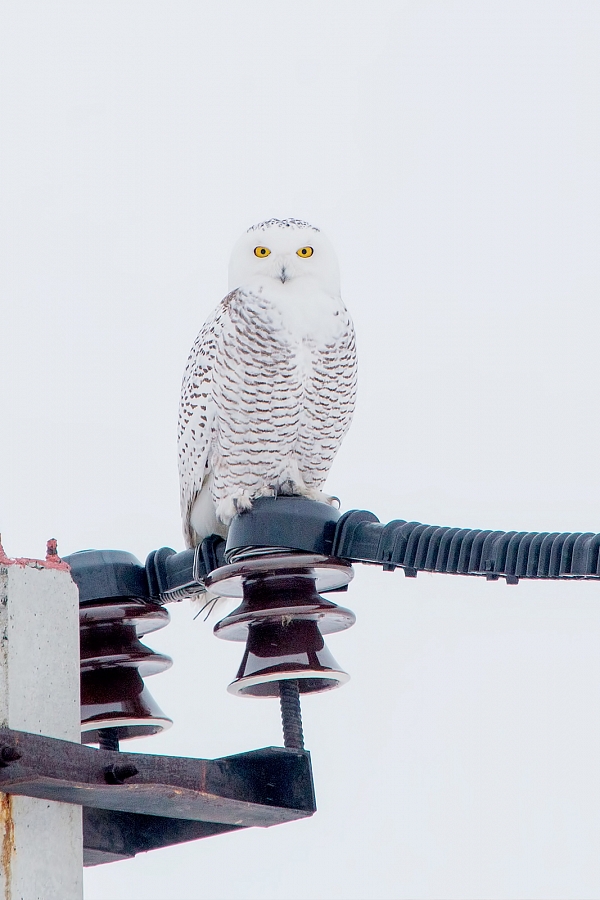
x: 286, y: 251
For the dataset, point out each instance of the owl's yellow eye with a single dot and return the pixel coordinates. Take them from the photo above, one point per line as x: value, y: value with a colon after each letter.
x: 261, y: 252
x: 305, y: 252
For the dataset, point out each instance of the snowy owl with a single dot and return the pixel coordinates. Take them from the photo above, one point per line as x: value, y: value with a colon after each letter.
x: 270, y: 384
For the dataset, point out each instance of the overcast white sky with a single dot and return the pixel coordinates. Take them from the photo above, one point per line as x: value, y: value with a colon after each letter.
x: 451, y: 152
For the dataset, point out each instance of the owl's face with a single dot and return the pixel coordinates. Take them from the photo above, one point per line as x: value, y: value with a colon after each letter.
x: 284, y: 252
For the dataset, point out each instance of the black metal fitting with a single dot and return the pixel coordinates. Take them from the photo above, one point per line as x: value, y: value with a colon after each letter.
x: 359, y: 537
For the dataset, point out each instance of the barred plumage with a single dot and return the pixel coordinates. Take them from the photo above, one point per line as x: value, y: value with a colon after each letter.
x: 269, y: 389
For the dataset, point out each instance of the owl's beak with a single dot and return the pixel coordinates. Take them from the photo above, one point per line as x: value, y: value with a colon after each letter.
x: 284, y: 275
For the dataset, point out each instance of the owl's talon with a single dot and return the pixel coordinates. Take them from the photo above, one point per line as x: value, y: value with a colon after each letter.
x: 289, y: 488
x: 242, y: 505
x: 233, y: 506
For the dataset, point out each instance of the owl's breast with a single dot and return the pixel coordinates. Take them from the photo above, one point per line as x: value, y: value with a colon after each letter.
x: 296, y: 310
x: 275, y: 342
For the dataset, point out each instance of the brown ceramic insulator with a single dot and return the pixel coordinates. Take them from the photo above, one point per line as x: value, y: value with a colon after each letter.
x: 283, y: 595
x: 283, y: 619
x: 278, y: 652
x: 113, y: 665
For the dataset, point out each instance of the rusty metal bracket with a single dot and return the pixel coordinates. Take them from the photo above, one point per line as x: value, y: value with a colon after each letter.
x: 167, y: 801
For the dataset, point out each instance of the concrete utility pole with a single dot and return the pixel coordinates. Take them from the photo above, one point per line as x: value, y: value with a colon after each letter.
x: 40, y: 840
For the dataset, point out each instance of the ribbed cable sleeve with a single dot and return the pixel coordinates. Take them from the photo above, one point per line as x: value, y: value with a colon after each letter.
x: 360, y: 537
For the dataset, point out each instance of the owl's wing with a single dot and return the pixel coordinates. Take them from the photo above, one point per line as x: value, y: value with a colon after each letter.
x: 196, y: 416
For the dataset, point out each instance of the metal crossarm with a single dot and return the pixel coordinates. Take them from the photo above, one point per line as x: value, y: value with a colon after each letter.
x: 136, y: 802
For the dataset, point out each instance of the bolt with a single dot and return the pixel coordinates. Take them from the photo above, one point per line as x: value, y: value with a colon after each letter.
x: 120, y: 773
x: 8, y: 755
x: 51, y: 548
x: 291, y: 715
